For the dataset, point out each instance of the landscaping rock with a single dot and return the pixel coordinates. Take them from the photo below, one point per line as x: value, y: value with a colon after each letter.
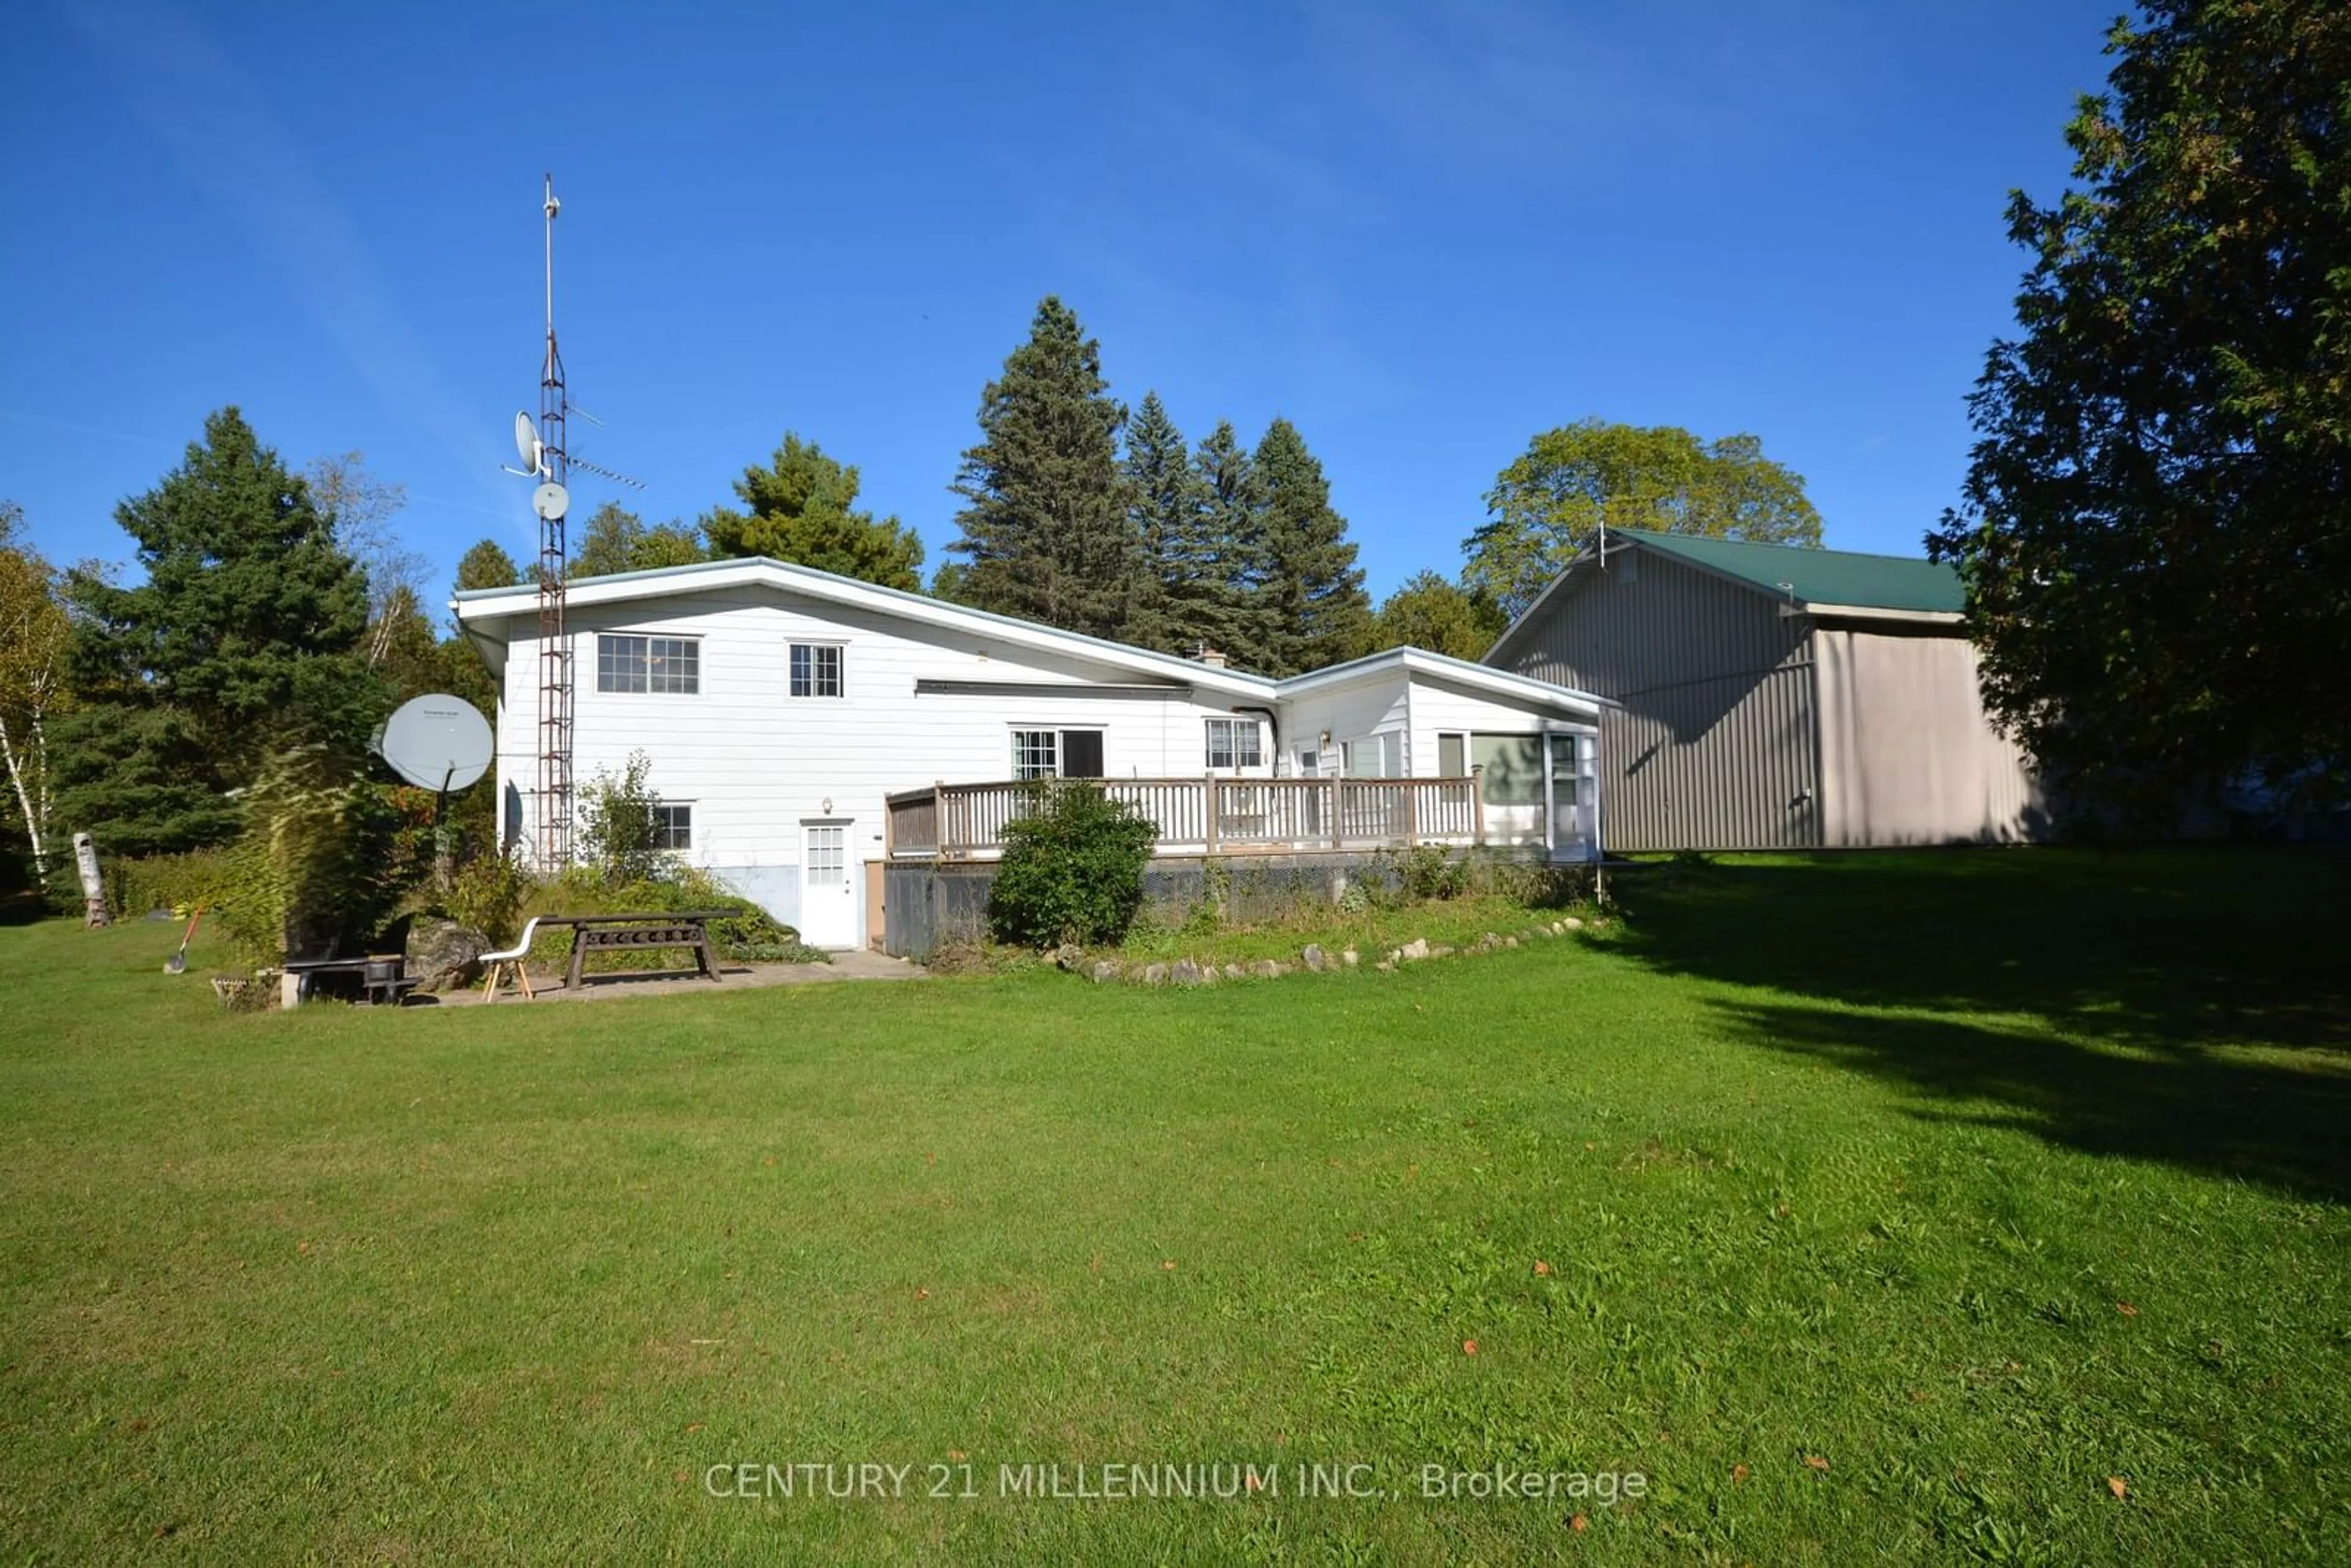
x: 1068, y: 956
x: 1314, y: 958
x: 1267, y: 969
x: 1572, y: 924
x: 1101, y: 971
x: 1510, y: 941
x: 1184, y: 972
x: 1385, y: 966
x: 1442, y: 950
x: 1350, y: 957
x: 1208, y: 974
x: 1489, y: 942
x: 1154, y: 974
x: 1415, y: 949
x: 444, y: 956
x: 1232, y: 971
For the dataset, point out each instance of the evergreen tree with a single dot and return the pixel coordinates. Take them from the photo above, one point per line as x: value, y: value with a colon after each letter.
x: 1312, y: 602
x: 803, y: 509
x: 1228, y: 611
x: 487, y: 565
x: 244, y: 634
x: 1166, y: 500
x: 1047, y: 529
x: 616, y: 539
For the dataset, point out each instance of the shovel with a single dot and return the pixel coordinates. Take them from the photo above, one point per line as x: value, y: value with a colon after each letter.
x: 177, y: 964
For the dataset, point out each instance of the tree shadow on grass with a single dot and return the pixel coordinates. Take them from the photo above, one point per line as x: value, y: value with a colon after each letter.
x: 2199, y: 1107
x: 2098, y: 1000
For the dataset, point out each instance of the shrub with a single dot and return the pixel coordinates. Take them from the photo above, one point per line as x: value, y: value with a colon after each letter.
x: 1072, y: 868
x: 487, y: 894
x: 1427, y: 873
x: 619, y: 835
x: 315, y: 868
x: 177, y: 883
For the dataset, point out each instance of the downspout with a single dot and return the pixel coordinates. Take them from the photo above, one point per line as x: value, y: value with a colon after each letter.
x: 1273, y: 729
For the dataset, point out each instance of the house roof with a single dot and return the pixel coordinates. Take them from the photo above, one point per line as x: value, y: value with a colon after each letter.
x: 1802, y: 579
x: 480, y: 610
x: 1819, y: 577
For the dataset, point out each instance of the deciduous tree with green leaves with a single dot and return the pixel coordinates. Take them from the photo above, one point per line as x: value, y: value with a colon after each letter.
x: 33, y: 636
x: 1427, y: 611
x: 802, y: 508
x: 1312, y: 602
x: 1045, y: 524
x: 2156, y: 534
x: 1554, y: 498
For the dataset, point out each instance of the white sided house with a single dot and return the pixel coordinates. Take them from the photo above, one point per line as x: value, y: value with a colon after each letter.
x: 805, y: 730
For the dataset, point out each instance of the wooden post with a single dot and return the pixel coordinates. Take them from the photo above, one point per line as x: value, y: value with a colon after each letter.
x: 1338, y: 832
x: 938, y: 818
x: 1411, y: 812
x: 889, y: 827
x: 1478, y: 803
x: 93, y: 886
x: 1208, y: 798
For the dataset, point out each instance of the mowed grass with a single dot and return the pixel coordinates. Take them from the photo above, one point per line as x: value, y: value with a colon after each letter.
x: 1898, y: 1207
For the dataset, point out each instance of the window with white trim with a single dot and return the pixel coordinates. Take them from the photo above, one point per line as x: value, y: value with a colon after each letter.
x: 630, y: 662
x: 1373, y: 756
x: 674, y: 825
x: 1235, y: 743
x: 1452, y: 755
x: 1036, y: 753
x: 816, y: 670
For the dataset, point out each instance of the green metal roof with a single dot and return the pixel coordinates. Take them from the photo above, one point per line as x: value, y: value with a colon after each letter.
x: 1818, y: 576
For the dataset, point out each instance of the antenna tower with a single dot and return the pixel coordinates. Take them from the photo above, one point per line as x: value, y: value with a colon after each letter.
x: 554, y: 641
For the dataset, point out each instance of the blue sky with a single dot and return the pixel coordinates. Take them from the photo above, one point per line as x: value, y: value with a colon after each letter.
x: 1422, y: 233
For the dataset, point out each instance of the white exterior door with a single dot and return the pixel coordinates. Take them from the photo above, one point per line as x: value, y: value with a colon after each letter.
x: 828, y: 897
x: 1570, y: 799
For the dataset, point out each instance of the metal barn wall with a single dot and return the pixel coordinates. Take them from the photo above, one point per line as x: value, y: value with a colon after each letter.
x: 1906, y: 754
x: 1717, y: 745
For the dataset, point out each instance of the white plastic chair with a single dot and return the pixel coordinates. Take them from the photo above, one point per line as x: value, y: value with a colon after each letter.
x: 511, y: 959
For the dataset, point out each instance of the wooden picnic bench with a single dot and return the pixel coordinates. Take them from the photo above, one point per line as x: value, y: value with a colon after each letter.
x: 618, y: 933
x: 382, y: 978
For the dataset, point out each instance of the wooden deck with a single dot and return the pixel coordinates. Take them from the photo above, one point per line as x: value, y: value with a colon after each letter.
x: 1205, y: 816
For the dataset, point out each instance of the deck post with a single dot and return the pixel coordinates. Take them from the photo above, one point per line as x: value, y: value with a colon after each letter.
x: 1208, y: 808
x: 888, y: 825
x: 1411, y: 813
x: 1338, y: 828
x: 1478, y: 804
x: 939, y: 851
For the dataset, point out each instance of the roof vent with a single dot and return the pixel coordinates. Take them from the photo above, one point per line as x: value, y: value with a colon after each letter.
x: 1209, y: 654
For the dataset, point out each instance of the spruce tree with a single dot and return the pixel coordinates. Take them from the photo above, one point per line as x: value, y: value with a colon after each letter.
x: 1312, y: 602
x: 803, y: 508
x: 1230, y: 610
x: 1047, y: 529
x: 1167, y: 504
x: 244, y: 635
x: 487, y: 565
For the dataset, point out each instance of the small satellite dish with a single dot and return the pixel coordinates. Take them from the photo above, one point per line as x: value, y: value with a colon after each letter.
x: 550, y: 501
x: 436, y: 742
x: 526, y: 444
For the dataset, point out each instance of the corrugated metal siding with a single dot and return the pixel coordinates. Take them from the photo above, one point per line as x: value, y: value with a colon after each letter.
x: 1907, y: 754
x: 1717, y: 745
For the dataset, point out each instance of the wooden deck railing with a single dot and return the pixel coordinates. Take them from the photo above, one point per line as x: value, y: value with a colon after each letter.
x: 1206, y: 816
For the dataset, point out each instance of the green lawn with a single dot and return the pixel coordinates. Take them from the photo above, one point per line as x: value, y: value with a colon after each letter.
x: 1869, y: 1207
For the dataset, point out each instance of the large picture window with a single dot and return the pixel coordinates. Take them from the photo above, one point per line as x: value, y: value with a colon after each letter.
x: 1514, y: 767
x: 1234, y: 742
x: 815, y: 669
x: 628, y: 663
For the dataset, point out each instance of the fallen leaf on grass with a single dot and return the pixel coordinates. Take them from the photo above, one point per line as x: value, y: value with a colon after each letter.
x: 1579, y: 1522
x: 2116, y: 1485
x: 1167, y: 1262
x: 1737, y: 1474
x: 2126, y: 1309
x: 1541, y: 1266
x: 1469, y: 1347
x: 957, y: 1454
x: 921, y: 1293
x: 1813, y: 1461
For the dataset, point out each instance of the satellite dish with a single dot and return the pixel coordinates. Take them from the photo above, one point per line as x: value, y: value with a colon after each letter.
x: 550, y: 501
x: 436, y: 742
x: 526, y: 444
